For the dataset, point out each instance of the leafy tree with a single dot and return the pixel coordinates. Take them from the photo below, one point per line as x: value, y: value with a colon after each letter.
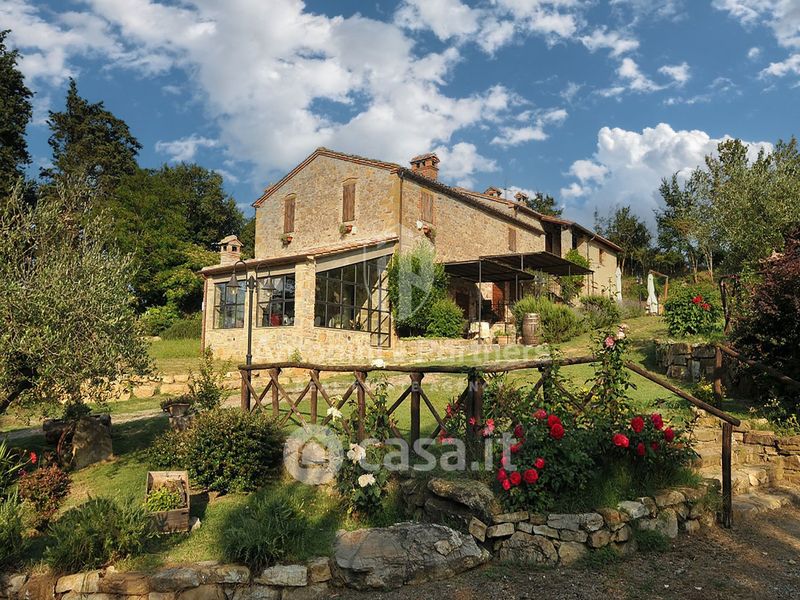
x: 89, y: 141
x: 248, y: 238
x: 15, y: 113
x: 544, y: 204
x: 415, y: 283
x: 67, y: 324
x: 571, y: 284
x: 628, y: 232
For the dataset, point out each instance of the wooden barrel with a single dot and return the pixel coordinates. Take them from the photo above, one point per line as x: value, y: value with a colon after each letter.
x: 530, y: 329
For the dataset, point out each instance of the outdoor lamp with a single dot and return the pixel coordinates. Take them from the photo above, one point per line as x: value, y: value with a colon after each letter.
x: 233, y: 283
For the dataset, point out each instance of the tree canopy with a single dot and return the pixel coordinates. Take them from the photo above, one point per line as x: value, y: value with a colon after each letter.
x: 544, y: 204
x: 15, y: 113
x: 628, y: 232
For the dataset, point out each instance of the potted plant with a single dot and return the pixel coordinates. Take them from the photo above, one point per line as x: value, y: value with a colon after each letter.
x: 178, y: 406
x: 345, y: 228
x: 287, y: 238
x: 167, y: 498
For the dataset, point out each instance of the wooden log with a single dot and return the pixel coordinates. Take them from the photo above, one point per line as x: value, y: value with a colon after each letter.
x: 314, y: 398
x: 362, y: 405
x: 727, y: 498
x: 679, y: 392
x: 245, y: 392
x: 718, y: 373
x: 273, y: 374
x: 760, y: 366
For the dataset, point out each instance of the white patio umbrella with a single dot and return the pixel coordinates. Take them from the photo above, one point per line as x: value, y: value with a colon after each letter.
x: 652, y: 301
x: 619, y: 285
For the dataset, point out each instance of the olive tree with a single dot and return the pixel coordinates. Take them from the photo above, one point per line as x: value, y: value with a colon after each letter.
x: 67, y: 324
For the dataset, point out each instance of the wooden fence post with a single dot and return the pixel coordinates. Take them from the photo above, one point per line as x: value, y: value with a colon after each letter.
x: 245, y: 400
x: 474, y: 409
x: 314, y: 396
x: 727, y: 499
x: 718, y: 373
x: 274, y: 373
x: 416, y: 383
x: 362, y: 404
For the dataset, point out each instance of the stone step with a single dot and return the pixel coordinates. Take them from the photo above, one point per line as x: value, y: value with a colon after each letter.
x: 743, y: 479
x: 753, y: 503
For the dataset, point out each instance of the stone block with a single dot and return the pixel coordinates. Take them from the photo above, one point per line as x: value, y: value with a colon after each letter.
x: 538, y: 519
x: 571, y: 552
x: 523, y: 548
x: 650, y: 504
x: 666, y: 523
x: 573, y: 536
x: 525, y: 527
x: 545, y: 531
x: 611, y: 517
x: 623, y: 534
x: 682, y: 510
x: 666, y: 498
x: 634, y: 510
x: 514, y: 517
x: 761, y: 438
x: 209, y: 591
x: 257, y: 592
x: 144, y: 391
x: 319, y: 570
x: 599, y: 538
x: 125, y: 584
x: 82, y: 583
x: 314, y: 591
x: 691, y: 526
x: 478, y: 529
x: 591, y: 521
x: 564, y: 521
x: 173, y: 389
x: 177, y: 579
x: 229, y: 574
x: 284, y: 575
x: 159, y: 596
x: 500, y: 530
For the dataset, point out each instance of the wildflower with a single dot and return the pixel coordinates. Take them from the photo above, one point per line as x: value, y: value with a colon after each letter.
x: 356, y: 453
x: 366, y: 479
x: 697, y: 299
x: 473, y: 421
x: 34, y: 458
x: 506, y: 484
x: 515, y: 478
x: 530, y: 476
x: 620, y: 440
x: 552, y: 420
x: 609, y: 342
x: 334, y: 413
x: 637, y: 424
x: 539, y: 463
x: 557, y: 431
x: 705, y: 306
x: 502, y: 475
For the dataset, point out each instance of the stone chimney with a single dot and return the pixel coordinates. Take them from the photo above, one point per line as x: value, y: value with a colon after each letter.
x: 493, y: 192
x: 520, y: 197
x: 426, y: 164
x: 230, y: 250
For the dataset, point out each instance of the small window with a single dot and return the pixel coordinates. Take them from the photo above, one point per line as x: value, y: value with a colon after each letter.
x: 426, y: 207
x: 574, y: 241
x: 512, y: 239
x: 602, y: 255
x: 288, y: 215
x: 349, y: 201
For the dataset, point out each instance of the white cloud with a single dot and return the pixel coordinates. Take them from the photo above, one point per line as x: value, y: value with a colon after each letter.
x: 634, y: 79
x: 446, y: 18
x: 461, y: 161
x: 754, y: 53
x: 613, y: 40
x: 185, y: 149
x: 790, y: 66
x: 287, y: 60
x: 515, y: 135
x: 678, y: 73
x: 632, y: 165
x: 782, y: 16
x: 650, y: 10
x: 571, y: 91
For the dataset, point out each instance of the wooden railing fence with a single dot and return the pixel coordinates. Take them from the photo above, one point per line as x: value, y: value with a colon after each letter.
x: 471, y: 398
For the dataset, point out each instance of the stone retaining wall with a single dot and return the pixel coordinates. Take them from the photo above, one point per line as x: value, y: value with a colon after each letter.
x: 557, y: 539
x: 205, y: 581
x: 690, y: 362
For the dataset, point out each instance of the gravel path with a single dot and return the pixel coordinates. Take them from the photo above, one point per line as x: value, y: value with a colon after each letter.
x: 759, y: 559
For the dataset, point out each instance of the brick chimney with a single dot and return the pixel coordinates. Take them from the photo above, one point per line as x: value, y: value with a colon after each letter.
x: 230, y: 250
x: 493, y: 192
x: 520, y: 197
x: 426, y: 164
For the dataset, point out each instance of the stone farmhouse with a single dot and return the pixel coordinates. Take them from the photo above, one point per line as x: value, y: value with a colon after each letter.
x: 324, y: 236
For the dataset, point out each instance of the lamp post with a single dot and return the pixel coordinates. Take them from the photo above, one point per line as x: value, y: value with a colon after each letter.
x: 251, y: 284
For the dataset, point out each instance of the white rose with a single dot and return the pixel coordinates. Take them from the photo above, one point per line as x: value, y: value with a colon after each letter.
x: 366, y: 479
x: 334, y: 413
x: 356, y: 453
x: 378, y: 363
x: 620, y: 335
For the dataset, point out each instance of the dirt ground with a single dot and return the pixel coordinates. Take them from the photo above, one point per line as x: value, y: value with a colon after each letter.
x: 758, y: 559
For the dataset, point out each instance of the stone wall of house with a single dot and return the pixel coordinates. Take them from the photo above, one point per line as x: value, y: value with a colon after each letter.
x: 317, y: 190
x: 463, y: 231
x: 690, y: 362
x: 556, y: 539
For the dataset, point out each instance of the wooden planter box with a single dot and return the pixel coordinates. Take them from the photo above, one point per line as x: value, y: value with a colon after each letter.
x: 170, y: 521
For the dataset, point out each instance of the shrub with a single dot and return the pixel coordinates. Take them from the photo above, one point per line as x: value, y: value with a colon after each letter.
x: 571, y: 284
x: 97, y: 533
x: 44, y: 489
x: 268, y: 529
x: 169, y: 451
x: 445, y: 319
x: 230, y: 450
x: 190, y: 327
x: 415, y: 283
x: 601, y: 312
x: 169, y: 496
x: 693, y: 309
x: 650, y: 541
x: 206, y: 388
x: 557, y: 322
x: 158, y: 318
x: 632, y: 309
x: 12, y: 462
x: 11, y: 529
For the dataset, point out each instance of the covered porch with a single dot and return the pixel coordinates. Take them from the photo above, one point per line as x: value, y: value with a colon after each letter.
x: 487, y: 287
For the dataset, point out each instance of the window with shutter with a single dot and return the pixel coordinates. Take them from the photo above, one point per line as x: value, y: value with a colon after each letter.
x: 349, y: 201
x: 288, y: 215
x: 512, y: 239
x: 426, y: 207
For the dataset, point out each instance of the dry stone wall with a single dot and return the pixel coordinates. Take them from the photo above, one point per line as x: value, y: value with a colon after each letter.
x: 689, y: 362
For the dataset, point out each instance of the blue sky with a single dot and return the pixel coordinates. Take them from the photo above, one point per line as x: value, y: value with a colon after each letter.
x: 592, y: 102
